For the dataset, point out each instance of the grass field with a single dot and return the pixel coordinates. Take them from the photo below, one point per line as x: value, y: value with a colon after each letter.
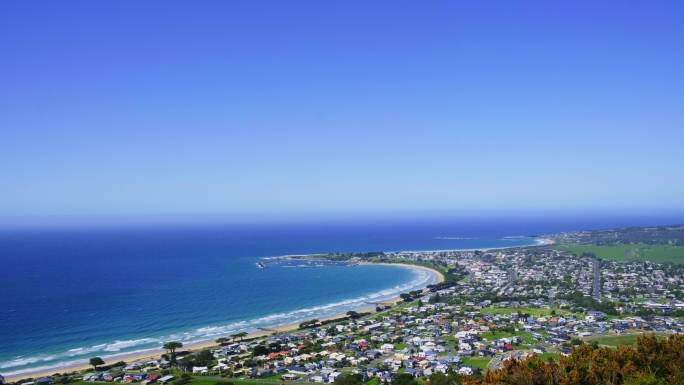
x: 210, y: 380
x: 616, y: 339
x: 477, y: 362
x: 400, y: 346
x: 534, y: 312
x: 549, y: 356
x: 636, y: 252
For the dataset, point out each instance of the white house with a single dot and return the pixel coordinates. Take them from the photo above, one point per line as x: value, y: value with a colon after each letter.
x: 465, y: 370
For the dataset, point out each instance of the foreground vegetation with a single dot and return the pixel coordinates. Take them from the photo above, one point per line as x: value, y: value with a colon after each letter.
x: 653, y: 361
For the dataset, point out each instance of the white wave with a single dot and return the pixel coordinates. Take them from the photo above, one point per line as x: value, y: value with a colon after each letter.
x: 116, y: 346
x: 20, y: 364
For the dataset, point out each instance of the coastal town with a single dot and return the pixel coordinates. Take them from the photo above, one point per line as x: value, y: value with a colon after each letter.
x: 239, y: 192
x: 493, y: 306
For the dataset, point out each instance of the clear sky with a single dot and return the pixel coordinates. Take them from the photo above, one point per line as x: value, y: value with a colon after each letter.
x: 142, y: 107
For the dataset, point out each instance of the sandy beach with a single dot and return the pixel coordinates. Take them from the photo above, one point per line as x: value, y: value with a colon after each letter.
x: 156, y: 353
x: 545, y: 242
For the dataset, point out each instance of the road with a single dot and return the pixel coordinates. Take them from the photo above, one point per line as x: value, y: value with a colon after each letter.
x: 596, y: 289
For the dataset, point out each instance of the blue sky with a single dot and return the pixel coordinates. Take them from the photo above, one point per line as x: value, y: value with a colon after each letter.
x: 128, y: 107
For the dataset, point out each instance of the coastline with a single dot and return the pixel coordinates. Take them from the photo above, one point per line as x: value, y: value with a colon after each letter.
x: 155, y: 353
x: 538, y: 241
x: 437, y: 273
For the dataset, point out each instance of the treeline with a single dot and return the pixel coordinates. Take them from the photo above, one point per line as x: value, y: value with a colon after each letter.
x: 451, y: 278
x: 316, y: 323
x: 410, y: 296
x: 588, y: 303
x: 348, y: 256
x: 653, y: 361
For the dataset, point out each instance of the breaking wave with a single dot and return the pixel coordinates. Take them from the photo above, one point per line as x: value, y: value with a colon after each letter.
x: 118, y: 348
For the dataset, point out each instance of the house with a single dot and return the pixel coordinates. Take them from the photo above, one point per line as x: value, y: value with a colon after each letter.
x: 133, y: 366
x: 594, y: 315
x: 150, y: 378
x: 200, y: 369
x: 220, y: 367
x: 539, y: 349
x: 465, y: 371
x: 372, y: 327
x: 166, y: 379
x: 91, y: 377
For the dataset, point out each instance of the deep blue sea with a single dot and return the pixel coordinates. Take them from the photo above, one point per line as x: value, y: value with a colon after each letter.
x: 70, y: 293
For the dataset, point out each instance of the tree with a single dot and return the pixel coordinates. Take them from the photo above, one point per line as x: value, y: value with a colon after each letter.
x: 653, y: 361
x: 260, y: 350
x: 349, y: 379
x: 240, y: 335
x: 452, y: 378
x: 352, y: 314
x: 203, y: 358
x: 96, y: 361
x: 184, y: 379
x: 171, y: 347
x: 404, y: 379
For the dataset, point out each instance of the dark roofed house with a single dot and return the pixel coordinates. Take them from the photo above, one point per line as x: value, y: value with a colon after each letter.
x: 44, y: 381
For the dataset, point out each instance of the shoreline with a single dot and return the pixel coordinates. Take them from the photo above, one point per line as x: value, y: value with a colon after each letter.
x: 538, y: 241
x: 155, y: 353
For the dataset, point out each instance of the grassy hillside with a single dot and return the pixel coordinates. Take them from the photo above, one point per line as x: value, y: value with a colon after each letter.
x: 630, y: 252
x: 614, y: 340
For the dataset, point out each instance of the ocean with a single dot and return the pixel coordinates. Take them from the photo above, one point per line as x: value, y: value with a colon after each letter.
x: 70, y: 293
